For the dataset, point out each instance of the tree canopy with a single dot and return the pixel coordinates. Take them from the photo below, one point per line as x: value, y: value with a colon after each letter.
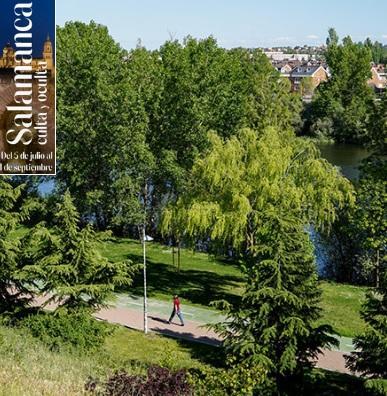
x: 130, y: 119
x: 102, y: 123
x: 251, y: 173
x: 342, y: 106
x: 12, y: 287
x: 66, y: 265
x: 258, y: 192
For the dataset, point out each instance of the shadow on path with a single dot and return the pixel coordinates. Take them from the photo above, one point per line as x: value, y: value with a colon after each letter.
x: 156, y: 319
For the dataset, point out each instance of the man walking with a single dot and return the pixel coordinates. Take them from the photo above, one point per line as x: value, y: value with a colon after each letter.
x: 176, y: 310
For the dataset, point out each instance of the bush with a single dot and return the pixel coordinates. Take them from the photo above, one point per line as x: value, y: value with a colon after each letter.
x: 238, y: 380
x: 67, y: 330
x: 158, y: 381
x: 376, y: 387
x: 322, y: 129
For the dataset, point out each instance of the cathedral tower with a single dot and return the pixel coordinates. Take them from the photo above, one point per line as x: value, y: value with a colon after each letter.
x: 48, y: 55
x: 8, y: 56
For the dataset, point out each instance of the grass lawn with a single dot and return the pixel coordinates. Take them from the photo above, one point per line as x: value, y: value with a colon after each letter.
x: 131, y: 347
x: 203, y: 279
x: 341, y: 305
x: 27, y: 367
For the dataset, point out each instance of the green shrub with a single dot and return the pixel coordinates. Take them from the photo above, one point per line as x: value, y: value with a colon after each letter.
x: 376, y: 387
x: 68, y: 330
x: 238, y: 380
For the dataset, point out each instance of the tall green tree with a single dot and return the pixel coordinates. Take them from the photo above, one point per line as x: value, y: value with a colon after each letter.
x: 356, y: 243
x: 258, y: 192
x: 209, y: 88
x: 14, y: 289
x: 102, y: 123
x: 370, y: 357
x: 377, y: 50
x: 378, y: 127
x: 343, y: 105
x: 126, y: 117
x: 333, y: 37
x: 370, y: 220
x: 67, y: 265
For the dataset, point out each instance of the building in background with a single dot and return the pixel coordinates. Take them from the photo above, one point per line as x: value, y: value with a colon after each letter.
x: 306, y: 78
x: 7, y: 60
x: 378, y: 80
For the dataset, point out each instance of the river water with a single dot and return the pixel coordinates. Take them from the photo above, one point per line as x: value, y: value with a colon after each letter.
x: 348, y: 158
x: 345, y: 156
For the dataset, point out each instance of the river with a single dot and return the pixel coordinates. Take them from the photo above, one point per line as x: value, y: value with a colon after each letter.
x: 345, y: 156
x: 348, y: 158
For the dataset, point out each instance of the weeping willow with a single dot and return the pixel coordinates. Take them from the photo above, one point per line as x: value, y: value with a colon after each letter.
x: 241, y: 179
x: 258, y: 192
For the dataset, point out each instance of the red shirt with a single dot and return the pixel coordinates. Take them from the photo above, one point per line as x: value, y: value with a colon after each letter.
x: 176, y: 304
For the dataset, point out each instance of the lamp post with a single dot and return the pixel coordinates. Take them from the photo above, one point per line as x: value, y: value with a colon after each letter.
x: 145, y: 286
x: 145, y: 238
x: 145, y: 192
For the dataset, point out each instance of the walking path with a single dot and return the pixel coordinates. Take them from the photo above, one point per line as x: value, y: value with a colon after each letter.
x: 127, y: 311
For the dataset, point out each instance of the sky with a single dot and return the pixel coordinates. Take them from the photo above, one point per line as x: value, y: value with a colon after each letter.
x: 43, y: 14
x: 233, y: 23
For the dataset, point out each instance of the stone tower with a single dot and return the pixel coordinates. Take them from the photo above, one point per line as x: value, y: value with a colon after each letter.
x: 8, y: 56
x: 48, y: 54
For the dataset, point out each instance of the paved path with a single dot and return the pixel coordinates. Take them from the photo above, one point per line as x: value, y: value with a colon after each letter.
x: 128, y: 312
x: 198, y: 314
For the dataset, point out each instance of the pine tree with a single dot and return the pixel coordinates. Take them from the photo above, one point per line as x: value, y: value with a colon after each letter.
x: 371, y: 357
x: 274, y: 326
x: 13, y: 291
x: 68, y: 265
x: 258, y: 192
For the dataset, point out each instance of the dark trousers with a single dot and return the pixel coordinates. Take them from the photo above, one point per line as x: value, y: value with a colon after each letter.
x: 179, y: 314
